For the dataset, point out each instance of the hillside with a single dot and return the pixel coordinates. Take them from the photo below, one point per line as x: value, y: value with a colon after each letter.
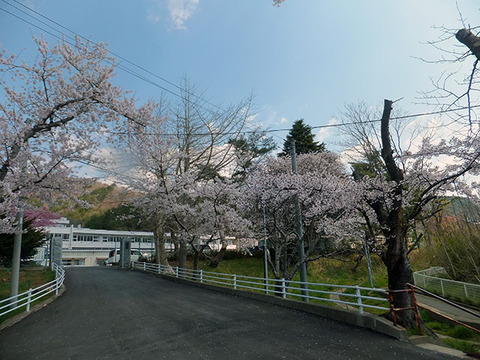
x: 101, y: 198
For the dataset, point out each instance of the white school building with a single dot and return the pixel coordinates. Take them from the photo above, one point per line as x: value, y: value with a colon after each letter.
x: 91, y: 247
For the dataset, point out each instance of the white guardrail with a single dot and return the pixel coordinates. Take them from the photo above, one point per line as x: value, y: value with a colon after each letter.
x: 26, y: 298
x: 355, y: 296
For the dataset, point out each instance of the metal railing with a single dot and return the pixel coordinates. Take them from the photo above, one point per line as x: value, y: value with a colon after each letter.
x: 470, y: 312
x: 25, y: 299
x: 451, y: 289
x: 347, y: 295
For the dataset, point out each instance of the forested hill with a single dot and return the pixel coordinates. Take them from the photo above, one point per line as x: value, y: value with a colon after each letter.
x: 463, y: 208
x: 109, y: 208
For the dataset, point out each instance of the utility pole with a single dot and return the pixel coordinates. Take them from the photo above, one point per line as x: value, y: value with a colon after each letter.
x: 298, y: 220
x: 265, y: 258
x: 17, y: 248
x: 369, y: 263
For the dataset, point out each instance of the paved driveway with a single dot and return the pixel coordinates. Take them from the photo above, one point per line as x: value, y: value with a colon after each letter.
x: 119, y: 314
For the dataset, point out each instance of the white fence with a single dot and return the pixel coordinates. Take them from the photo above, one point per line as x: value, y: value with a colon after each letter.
x: 451, y: 289
x: 28, y: 297
x: 355, y: 296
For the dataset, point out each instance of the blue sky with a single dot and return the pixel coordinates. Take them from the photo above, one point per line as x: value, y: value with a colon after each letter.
x: 304, y: 59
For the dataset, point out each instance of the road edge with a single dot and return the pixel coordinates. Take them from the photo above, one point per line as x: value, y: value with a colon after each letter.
x: 19, y: 317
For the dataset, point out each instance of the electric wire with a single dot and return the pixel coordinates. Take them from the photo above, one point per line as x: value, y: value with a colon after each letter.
x: 117, y: 55
x: 271, y: 131
x: 118, y: 64
x: 146, y: 79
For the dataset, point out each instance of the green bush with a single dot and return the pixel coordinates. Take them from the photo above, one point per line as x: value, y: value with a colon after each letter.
x: 461, y: 332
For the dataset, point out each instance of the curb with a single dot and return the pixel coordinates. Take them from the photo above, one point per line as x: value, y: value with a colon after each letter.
x: 426, y: 342
x: 19, y: 317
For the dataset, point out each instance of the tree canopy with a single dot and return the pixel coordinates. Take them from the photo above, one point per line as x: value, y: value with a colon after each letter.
x: 301, y: 133
x: 58, y: 109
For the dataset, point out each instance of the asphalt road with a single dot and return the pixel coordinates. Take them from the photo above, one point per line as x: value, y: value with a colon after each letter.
x: 119, y: 314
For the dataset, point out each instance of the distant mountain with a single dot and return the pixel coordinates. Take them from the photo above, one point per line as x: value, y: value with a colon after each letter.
x: 463, y: 208
x: 101, y: 198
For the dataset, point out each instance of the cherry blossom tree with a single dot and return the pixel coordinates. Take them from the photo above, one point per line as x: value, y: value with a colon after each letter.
x: 188, y: 148
x: 55, y: 110
x: 41, y: 217
x: 327, y: 197
x: 402, y: 187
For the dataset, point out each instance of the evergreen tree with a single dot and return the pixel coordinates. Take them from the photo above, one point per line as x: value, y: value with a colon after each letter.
x: 32, y: 238
x: 301, y: 133
x: 124, y: 217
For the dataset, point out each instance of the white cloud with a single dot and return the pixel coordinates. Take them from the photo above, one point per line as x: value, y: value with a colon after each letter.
x: 283, y: 120
x: 180, y: 11
x: 325, y: 132
x: 176, y: 12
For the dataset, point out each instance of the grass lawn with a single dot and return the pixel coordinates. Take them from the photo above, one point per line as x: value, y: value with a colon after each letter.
x: 456, y: 336
x: 324, y: 271
x: 30, y: 277
x: 328, y: 271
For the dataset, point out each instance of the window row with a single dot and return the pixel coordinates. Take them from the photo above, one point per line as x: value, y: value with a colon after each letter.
x: 101, y: 238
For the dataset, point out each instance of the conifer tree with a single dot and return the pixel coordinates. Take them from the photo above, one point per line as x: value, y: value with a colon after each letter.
x: 301, y: 133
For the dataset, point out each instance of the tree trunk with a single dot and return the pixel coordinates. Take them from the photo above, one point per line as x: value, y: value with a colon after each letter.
x: 176, y: 243
x: 219, y: 257
x: 160, y: 251
x: 395, y: 228
x: 182, y: 254
x: 278, y: 288
x: 196, y: 259
x: 470, y: 40
x: 399, y: 275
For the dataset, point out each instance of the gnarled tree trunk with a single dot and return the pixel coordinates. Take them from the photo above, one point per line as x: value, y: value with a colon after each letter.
x: 160, y: 250
x: 395, y: 228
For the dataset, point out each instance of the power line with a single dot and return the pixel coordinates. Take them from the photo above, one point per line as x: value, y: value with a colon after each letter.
x: 148, y: 80
x: 271, y: 131
x: 129, y: 71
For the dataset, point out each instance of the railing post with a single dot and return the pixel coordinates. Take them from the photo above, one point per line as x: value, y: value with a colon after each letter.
x: 56, y: 286
x: 284, y: 289
x: 201, y: 276
x: 465, y: 288
x: 176, y: 271
x: 359, y: 299
x: 29, y: 299
x: 159, y: 268
x: 415, y: 307
x: 235, y: 281
x: 443, y: 290
x: 144, y: 266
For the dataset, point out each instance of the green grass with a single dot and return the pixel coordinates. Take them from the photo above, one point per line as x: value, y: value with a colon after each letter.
x: 324, y: 271
x: 463, y: 345
x: 328, y: 271
x: 30, y: 277
x: 458, y: 337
